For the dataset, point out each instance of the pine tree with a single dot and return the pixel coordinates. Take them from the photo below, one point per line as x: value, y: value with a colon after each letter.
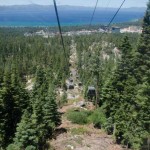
x: 2, y: 121
x: 27, y: 131
x: 142, y: 59
x: 142, y: 74
x: 118, y: 82
x: 40, y: 78
x: 126, y: 96
x: 7, y: 111
x: 50, y: 109
x: 44, y: 107
x: 14, y: 100
x: 119, y: 97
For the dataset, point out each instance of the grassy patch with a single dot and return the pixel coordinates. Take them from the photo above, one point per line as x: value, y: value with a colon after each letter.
x: 79, y: 131
x: 78, y: 117
x: 82, y: 117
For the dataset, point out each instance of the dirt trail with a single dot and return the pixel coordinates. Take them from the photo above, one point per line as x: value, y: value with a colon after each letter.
x: 90, y: 138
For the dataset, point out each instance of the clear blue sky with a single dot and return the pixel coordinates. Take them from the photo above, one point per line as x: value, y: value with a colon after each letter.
x: 102, y: 3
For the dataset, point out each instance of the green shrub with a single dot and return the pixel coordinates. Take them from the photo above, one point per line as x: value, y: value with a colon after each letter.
x: 98, y: 118
x: 13, y: 147
x: 30, y: 148
x: 78, y: 117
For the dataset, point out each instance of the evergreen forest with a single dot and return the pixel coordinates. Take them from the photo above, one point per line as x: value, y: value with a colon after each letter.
x: 33, y: 68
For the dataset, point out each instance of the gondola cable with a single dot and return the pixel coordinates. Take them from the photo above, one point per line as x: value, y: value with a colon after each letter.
x: 116, y: 13
x: 114, y: 16
x: 92, y: 17
x: 60, y: 30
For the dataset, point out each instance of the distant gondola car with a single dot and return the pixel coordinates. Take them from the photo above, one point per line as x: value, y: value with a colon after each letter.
x: 77, y: 77
x: 70, y: 86
x: 71, y: 74
x: 91, y: 93
x: 80, y: 84
x: 70, y: 80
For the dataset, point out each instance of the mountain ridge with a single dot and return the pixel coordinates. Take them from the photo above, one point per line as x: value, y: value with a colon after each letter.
x: 69, y: 6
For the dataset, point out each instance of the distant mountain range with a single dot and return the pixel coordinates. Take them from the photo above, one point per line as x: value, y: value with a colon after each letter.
x: 45, y: 15
x: 35, y: 8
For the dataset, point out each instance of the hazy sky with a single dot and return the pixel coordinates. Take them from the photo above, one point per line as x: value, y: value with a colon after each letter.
x: 102, y: 3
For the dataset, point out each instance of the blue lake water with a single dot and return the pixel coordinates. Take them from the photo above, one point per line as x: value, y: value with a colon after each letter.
x: 67, y: 18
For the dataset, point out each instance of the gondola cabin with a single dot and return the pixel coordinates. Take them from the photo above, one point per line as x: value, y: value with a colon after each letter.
x: 77, y: 77
x: 80, y: 84
x: 70, y: 86
x: 91, y: 93
x: 71, y: 80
